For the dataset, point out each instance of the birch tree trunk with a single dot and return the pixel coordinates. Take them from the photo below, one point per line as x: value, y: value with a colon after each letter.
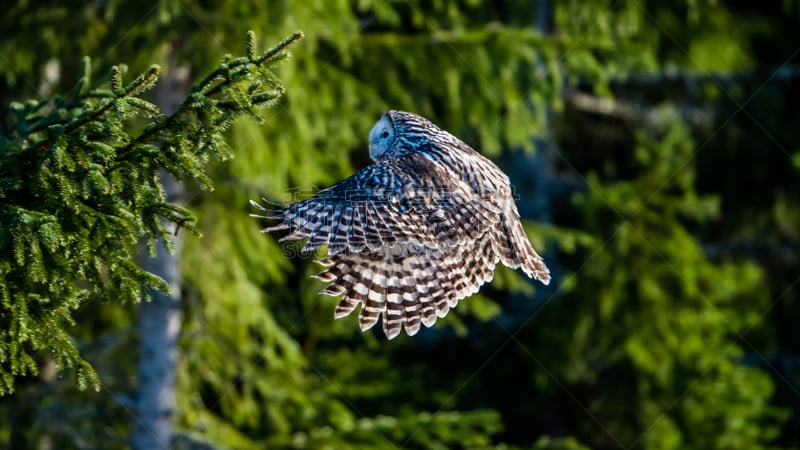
x: 160, y: 318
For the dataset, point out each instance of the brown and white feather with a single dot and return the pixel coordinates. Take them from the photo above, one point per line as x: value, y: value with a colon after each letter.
x: 415, y: 233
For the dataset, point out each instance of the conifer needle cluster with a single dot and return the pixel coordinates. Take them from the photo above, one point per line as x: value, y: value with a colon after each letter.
x: 80, y: 189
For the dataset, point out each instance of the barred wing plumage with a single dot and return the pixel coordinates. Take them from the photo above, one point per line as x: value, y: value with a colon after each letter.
x: 411, y: 235
x: 410, y: 201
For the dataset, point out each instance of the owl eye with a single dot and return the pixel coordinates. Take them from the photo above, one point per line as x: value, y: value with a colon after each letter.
x: 385, y: 134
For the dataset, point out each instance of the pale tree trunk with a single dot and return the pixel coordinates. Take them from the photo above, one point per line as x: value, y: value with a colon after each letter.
x: 160, y: 319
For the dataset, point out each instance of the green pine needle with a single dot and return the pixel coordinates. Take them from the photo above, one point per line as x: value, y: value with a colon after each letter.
x: 80, y: 190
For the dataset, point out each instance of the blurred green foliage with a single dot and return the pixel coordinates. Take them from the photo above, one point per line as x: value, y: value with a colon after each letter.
x: 79, y: 193
x: 670, y: 221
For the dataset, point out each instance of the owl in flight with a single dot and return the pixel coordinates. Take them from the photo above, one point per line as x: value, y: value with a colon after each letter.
x: 415, y: 232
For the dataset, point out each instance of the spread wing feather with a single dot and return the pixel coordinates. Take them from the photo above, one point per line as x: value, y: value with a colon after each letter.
x: 405, y: 201
x: 409, y: 237
x: 407, y: 290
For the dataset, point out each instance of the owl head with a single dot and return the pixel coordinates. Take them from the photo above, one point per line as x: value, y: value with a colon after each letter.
x: 398, y: 133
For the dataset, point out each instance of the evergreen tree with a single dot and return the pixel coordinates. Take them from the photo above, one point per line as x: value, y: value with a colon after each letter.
x: 653, y: 335
x: 80, y: 191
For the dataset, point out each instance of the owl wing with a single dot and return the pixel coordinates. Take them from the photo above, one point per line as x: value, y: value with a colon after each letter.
x: 407, y: 290
x: 409, y: 201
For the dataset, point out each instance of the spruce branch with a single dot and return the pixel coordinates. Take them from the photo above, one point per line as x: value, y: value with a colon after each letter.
x: 79, y: 191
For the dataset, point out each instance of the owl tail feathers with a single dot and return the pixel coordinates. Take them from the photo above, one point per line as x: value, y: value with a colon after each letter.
x: 525, y: 257
x: 534, y: 267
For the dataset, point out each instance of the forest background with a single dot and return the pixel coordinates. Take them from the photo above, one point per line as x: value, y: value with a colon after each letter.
x: 654, y: 149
